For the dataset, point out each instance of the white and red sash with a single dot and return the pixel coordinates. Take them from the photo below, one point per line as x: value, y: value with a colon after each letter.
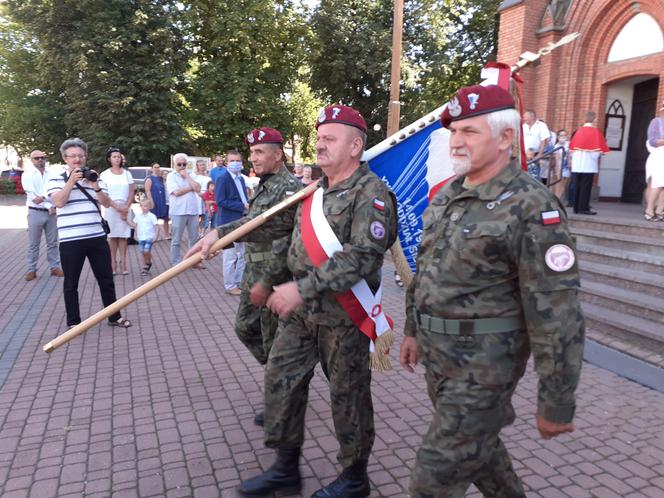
x: 362, y: 306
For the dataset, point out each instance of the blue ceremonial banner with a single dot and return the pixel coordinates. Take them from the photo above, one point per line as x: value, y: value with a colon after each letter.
x: 414, y: 163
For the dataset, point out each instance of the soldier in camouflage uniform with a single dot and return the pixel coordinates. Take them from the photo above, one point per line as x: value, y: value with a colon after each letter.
x: 496, y: 278
x: 256, y: 325
x: 361, y: 211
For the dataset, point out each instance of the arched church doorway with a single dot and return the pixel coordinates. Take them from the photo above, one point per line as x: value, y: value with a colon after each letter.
x: 643, y: 111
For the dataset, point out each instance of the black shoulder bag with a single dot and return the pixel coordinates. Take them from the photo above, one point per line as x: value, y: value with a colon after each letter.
x: 104, y: 223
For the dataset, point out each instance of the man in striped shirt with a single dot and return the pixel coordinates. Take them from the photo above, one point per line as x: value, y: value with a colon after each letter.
x: 80, y: 230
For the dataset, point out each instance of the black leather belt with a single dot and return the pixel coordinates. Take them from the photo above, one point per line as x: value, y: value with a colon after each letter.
x: 38, y: 209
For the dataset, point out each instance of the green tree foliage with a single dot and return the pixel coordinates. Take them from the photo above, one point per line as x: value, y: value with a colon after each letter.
x: 158, y: 76
x: 29, y: 113
x: 303, y: 108
x: 351, y: 56
x: 113, y: 68
x: 245, y: 68
x: 445, y: 45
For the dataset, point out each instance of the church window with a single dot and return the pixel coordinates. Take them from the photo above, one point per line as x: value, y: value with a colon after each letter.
x: 640, y: 36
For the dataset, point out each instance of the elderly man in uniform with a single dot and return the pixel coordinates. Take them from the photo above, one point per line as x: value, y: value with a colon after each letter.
x: 339, y: 237
x: 496, y: 278
x: 41, y: 217
x: 266, y: 261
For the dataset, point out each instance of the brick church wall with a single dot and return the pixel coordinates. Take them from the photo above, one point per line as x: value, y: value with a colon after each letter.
x: 573, y: 79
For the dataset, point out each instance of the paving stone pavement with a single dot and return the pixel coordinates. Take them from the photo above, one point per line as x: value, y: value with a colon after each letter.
x: 165, y: 408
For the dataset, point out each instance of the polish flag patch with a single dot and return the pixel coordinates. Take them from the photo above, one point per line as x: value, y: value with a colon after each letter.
x: 378, y: 204
x: 550, y: 217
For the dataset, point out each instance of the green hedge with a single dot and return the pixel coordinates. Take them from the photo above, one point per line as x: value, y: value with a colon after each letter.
x: 7, y: 186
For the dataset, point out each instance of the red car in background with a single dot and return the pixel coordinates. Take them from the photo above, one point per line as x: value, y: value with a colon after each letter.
x: 13, y: 175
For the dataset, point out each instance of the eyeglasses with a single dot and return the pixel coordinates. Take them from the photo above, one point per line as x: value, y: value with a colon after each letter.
x: 74, y: 156
x: 39, y: 158
x: 180, y: 164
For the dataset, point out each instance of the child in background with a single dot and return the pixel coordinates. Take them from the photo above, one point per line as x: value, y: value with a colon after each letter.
x: 562, y: 171
x: 210, y: 207
x: 145, y: 224
x: 533, y: 167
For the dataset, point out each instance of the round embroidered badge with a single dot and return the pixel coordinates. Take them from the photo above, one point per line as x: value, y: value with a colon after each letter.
x: 377, y: 230
x: 559, y: 258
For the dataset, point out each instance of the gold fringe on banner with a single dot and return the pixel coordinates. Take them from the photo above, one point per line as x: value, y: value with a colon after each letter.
x: 400, y: 263
x: 384, y: 342
x: 514, y: 91
x: 379, y: 362
x: 380, y: 359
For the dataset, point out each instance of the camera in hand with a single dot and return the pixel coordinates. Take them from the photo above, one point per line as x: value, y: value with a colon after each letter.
x: 89, y: 174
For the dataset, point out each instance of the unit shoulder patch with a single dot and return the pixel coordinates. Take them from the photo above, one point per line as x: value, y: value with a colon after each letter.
x: 559, y: 258
x: 377, y: 230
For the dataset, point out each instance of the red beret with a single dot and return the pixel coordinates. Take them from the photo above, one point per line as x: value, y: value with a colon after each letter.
x: 341, y: 114
x: 474, y: 101
x: 264, y: 135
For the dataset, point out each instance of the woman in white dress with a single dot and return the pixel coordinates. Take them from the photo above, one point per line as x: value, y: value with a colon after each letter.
x: 655, y: 169
x: 201, y: 177
x: 120, y: 185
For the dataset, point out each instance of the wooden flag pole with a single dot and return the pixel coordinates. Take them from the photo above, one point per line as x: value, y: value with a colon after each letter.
x: 394, y: 108
x: 393, y: 117
x: 161, y: 279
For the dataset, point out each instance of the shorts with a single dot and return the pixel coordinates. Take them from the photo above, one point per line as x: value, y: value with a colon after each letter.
x: 144, y: 245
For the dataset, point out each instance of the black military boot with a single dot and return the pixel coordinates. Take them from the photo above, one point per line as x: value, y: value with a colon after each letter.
x: 352, y: 483
x: 283, y: 476
x: 259, y: 419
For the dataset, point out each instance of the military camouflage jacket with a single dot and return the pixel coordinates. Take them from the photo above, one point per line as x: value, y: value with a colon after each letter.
x: 497, y: 250
x: 270, y: 266
x: 362, y: 212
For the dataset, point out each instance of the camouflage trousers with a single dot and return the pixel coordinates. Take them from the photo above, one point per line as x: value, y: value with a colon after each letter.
x: 343, y: 353
x: 470, y: 382
x: 255, y: 327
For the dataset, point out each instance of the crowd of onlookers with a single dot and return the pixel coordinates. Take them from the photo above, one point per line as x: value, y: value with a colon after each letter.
x: 196, y: 195
x: 565, y: 163
x: 165, y: 196
x: 191, y: 199
x: 568, y: 163
x: 66, y: 206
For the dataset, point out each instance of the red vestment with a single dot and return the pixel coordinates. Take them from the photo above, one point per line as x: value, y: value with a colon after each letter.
x: 588, y: 138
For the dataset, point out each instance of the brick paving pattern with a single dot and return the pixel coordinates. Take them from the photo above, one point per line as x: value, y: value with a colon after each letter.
x: 165, y: 408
